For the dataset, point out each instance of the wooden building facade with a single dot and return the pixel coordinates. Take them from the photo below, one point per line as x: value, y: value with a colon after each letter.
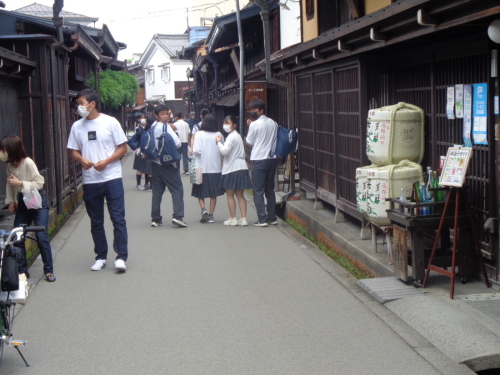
x: 408, y: 51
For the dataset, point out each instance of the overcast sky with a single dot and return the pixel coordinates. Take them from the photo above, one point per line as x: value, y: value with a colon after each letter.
x: 135, y: 22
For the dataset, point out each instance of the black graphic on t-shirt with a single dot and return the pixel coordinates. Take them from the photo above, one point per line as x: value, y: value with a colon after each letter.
x: 92, y: 136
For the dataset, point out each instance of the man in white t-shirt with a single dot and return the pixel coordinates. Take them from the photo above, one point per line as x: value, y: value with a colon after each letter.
x: 97, y: 142
x: 262, y: 137
x: 183, y: 131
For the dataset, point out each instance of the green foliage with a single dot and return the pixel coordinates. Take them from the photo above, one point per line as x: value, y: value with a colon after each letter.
x: 117, y: 88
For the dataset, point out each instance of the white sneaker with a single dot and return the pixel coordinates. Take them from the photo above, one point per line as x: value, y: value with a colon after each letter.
x: 232, y: 222
x: 139, y: 187
x: 243, y: 222
x: 120, y: 265
x: 98, y: 265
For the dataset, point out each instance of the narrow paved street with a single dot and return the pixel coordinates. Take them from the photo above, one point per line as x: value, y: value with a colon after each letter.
x: 208, y: 299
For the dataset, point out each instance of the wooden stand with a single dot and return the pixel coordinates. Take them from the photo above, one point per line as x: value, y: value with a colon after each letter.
x: 454, y: 192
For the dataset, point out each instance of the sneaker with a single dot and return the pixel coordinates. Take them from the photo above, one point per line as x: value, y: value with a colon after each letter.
x: 204, y: 215
x: 259, y: 224
x: 179, y: 222
x: 147, y: 187
x: 231, y: 222
x: 272, y: 222
x: 186, y: 172
x: 156, y: 223
x: 50, y: 277
x: 120, y: 265
x: 139, y: 187
x: 210, y: 219
x: 243, y: 222
x: 98, y: 265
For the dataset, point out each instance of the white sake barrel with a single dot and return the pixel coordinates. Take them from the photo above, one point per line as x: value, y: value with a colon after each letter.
x: 362, y: 189
x: 387, y: 182
x: 395, y: 133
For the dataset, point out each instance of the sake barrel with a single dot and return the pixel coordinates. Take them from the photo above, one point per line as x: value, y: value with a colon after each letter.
x: 395, y: 133
x: 386, y: 182
x: 362, y: 189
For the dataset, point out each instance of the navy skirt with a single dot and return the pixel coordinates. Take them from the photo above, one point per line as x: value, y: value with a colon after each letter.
x: 239, y: 180
x: 210, y: 188
x: 142, y: 165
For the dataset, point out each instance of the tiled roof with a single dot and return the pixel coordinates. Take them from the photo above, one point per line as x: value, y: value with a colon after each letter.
x: 171, y: 44
x: 45, y: 11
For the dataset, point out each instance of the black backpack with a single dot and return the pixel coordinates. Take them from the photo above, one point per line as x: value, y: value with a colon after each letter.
x: 10, y: 274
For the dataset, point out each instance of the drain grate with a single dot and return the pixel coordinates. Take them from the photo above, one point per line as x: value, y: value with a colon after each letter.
x: 480, y: 297
x: 386, y: 289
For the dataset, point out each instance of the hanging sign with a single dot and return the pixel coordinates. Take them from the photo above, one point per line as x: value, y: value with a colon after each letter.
x: 480, y: 113
x: 467, y: 115
x: 459, y: 101
x: 450, y: 103
x: 455, y: 166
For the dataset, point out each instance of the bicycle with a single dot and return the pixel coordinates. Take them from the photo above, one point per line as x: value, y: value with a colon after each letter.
x: 7, y: 307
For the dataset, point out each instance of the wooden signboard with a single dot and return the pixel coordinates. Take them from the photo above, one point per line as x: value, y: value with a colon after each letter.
x: 455, y: 166
x: 400, y: 252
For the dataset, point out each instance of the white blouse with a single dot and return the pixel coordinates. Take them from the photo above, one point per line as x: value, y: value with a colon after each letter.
x: 206, y: 149
x: 233, y: 153
x: 28, y: 173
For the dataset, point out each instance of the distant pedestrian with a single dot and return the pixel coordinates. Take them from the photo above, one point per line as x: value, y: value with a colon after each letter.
x: 206, y: 149
x: 183, y: 132
x: 235, y: 178
x: 140, y: 162
x: 166, y: 176
x: 97, y: 142
x: 23, y: 176
x: 262, y: 137
x: 192, y: 120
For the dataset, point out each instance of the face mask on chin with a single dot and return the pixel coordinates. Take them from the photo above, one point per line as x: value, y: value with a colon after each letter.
x: 82, y: 111
x: 4, y: 156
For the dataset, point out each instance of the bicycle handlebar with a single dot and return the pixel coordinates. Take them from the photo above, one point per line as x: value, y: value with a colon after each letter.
x: 23, y: 229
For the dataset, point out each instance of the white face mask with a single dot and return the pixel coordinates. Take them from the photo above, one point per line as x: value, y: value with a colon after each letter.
x: 142, y: 121
x: 227, y: 128
x: 82, y: 111
x: 3, y: 156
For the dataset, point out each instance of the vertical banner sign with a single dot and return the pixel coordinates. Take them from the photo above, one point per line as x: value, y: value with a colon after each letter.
x: 459, y: 101
x: 480, y: 113
x: 467, y: 115
x: 450, y: 103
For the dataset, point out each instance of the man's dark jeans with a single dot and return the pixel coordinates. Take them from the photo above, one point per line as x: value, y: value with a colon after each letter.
x: 263, y: 172
x: 38, y: 217
x: 93, y: 196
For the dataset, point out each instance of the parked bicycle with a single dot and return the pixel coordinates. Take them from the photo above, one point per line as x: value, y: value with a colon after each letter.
x: 7, y: 306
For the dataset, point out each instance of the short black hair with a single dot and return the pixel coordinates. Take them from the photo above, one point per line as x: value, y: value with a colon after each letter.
x: 178, y: 115
x: 160, y: 108
x: 209, y: 124
x: 204, y: 112
x: 150, y: 120
x: 90, y: 95
x: 257, y: 104
x: 14, y: 148
x: 231, y: 118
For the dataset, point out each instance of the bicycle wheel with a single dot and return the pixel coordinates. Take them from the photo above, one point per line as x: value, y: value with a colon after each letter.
x: 4, y: 325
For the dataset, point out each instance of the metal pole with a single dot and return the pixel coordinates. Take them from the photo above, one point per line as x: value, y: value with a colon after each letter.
x: 242, y: 70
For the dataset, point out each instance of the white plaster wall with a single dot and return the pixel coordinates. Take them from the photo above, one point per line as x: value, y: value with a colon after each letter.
x: 290, y: 24
x: 177, y: 73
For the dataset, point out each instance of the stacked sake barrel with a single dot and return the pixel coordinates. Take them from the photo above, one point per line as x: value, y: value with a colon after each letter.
x: 395, y: 146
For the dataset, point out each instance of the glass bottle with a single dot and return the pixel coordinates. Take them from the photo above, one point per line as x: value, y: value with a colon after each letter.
x: 402, y: 198
x: 438, y: 194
